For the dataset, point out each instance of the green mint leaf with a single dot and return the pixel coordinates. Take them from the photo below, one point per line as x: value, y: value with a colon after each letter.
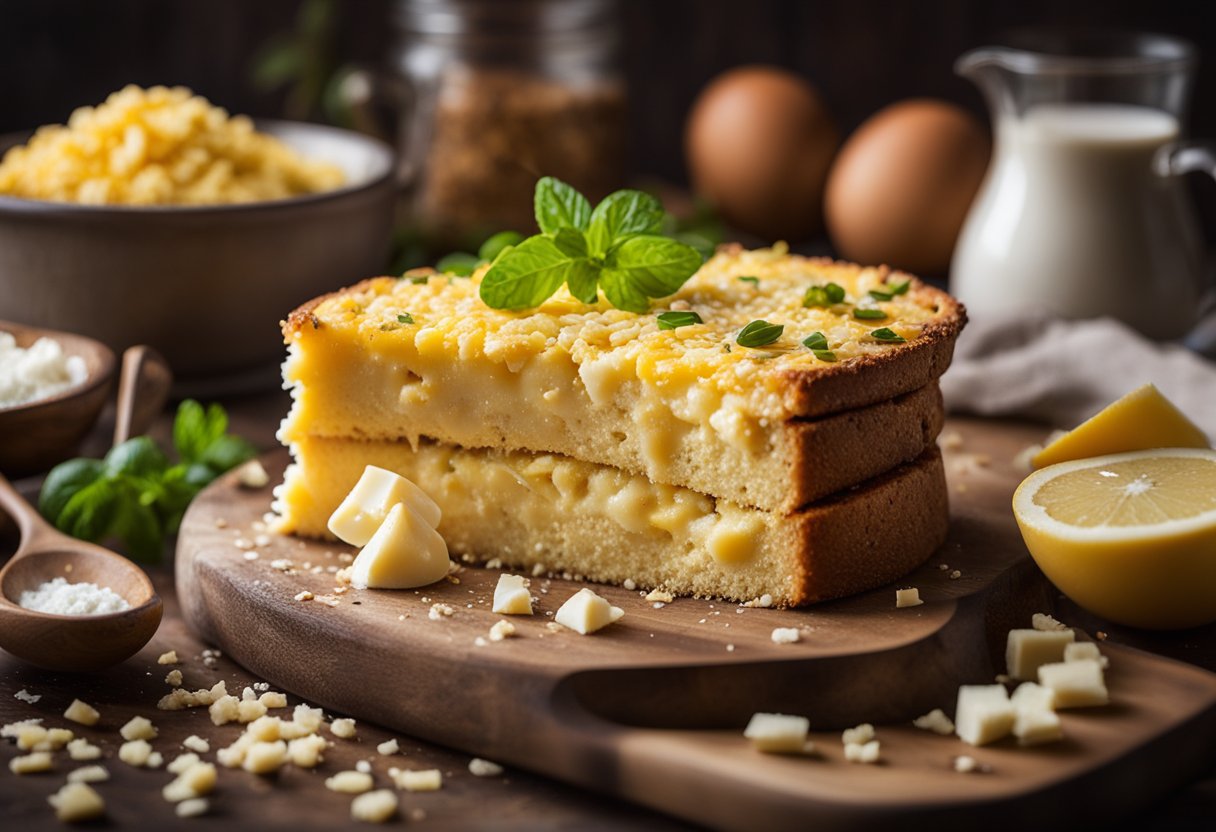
x: 558, y: 206
x: 623, y: 214
x: 887, y: 335
x: 458, y: 263
x: 494, y: 245
x: 677, y: 319
x: 195, y: 428
x: 826, y: 295
x: 752, y: 279
x: 527, y: 275
x: 139, y: 529
x: 656, y: 266
x: 226, y: 453
x: 571, y: 242
x: 622, y: 292
x: 90, y: 512
x: 62, y: 483
x: 405, y: 318
x: 582, y: 279
x: 759, y: 334
x: 138, y: 457
x: 815, y: 341
x: 869, y: 314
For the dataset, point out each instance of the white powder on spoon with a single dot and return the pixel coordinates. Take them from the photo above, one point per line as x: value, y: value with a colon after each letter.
x: 59, y: 597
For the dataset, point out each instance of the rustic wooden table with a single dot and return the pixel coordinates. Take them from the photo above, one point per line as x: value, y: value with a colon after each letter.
x: 297, y: 797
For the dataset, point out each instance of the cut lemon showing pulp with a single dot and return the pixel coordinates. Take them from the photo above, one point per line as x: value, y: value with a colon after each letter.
x: 1142, y: 419
x: 1130, y: 537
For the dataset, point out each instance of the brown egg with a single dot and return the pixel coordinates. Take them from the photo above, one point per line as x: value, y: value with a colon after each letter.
x: 901, y: 186
x: 759, y: 142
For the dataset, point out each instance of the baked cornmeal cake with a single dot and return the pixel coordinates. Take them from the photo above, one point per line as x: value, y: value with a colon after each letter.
x: 586, y: 439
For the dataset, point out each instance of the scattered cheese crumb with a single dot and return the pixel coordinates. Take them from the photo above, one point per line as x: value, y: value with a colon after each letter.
x: 77, y: 802
x: 343, y: 728
x: 955, y: 575
x: 196, y: 743
x: 484, y: 768
x: 193, y: 808
x: 858, y: 736
x: 307, y: 751
x: 82, y: 713
x: 763, y: 601
x: 1085, y: 650
x: 1043, y: 621
x: 182, y: 762
x: 196, y: 781
x: 502, y: 630
x: 935, y: 721
x: 965, y: 765
x: 349, y: 782
x: 135, y: 753
x: 174, y: 678
x: 862, y: 752
x: 440, y: 611
x: 138, y: 728
x: 168, y: 658
x: 363, y: 766
x: 81, y: 750
x: 248, y: 710
x: 265, y: 757
x: 786, y: 635
x: 778, y: 733
x: 31, y: 763
x: 428, y: 780
x: 180, y: 699
x: 252, y: 475
x: 224, y: 710
x: 388, y: 747
x: 660, y: 596
x: 89, y: 774
x: 907, y: 598
x: 374, y: 807
x: 273, y: 700
x: 25, y: 696
x: 303, y: 596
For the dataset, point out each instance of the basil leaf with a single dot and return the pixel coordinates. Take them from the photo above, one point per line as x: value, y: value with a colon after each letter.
x: 405, y: 318
x: 888, y: 335
x: 139, y: 456
x: 493, y: 246
x: 138, y: 527
x: 194, y: 428
x: 558, y: 206
x: 622, y: 214
x: 458, y: 263
x: 90, y: 512
x: 826, y: 295
x: 815, y: 341
x: 64, y: 480
x: 657, y: 266
x: 570, y: 242
x: 226, y: 453
x: 759, y: 334
x: 869, y: 314
x: 583, y: 280
x: 526, y: 276
x: 677, y: 319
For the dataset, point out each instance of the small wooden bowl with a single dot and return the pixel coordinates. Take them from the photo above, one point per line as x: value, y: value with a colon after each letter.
x: 37, y: 435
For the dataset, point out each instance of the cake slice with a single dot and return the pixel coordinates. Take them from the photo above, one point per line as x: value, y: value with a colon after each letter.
x: 774, y: 427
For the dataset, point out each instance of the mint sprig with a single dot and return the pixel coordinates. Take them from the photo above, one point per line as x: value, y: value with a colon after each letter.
x: 617, y: 247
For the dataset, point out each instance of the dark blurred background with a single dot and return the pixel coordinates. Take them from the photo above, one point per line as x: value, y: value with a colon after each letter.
x: 862, y: 54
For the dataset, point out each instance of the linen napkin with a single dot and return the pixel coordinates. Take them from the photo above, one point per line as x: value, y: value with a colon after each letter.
x: 1062, y: 372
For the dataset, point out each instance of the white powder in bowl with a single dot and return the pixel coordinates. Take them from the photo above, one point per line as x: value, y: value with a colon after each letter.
x: 62, y: 598
x: 42, y: 370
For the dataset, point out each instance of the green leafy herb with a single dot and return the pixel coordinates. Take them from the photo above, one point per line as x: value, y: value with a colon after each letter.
x: 887, y: 335
x: 675, y: 320
x: 136, y: 494
x: 458, y: 263
x: 752, y: 279
x: 497, y: 243
x: 863, y: 314
x: 758, y: 334
x: 890, y: 290
x: 617, y: 247
x: 817, y: 343
x: 405, y: 318
x: 826, y: 295
x: 420, y: 280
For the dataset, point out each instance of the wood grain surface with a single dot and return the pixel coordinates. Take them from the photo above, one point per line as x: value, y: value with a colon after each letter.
x: 652, y: 708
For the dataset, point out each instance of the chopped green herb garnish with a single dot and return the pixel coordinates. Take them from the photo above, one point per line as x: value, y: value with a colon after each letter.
x: 749, y: 278
x: 889, y: 290
x: 825, y: 295
x: 815, y: 341
x: 418, y: 281
x: 824, y: 355
x: 675, y: 320
x: 869, y: 314
x: 759, y: 334
x: 887, y: 335
x: 405, y: 318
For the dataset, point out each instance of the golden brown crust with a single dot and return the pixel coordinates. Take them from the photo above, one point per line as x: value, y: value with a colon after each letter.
x: 303, y: 315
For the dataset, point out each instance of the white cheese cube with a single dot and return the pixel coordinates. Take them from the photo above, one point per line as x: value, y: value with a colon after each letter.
x: 1085, y: 650
x: 1033, y: 726
x: 77, y: 802
x: 585, y: 612
x: 511, y: 596
x: 368, y: 505
x: 907, y: 598
x: 405, y: 552
x: 778, y: 733
x: 935, y: 721
x: 1076, y: 684
x: 374, y: 807
x: 857, y: 752
x: 1030, y: 696
x: 1026, y: 650
x: 983, y: 714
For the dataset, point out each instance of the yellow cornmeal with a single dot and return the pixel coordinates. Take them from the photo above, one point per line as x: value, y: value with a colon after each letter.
x: 161, y: 146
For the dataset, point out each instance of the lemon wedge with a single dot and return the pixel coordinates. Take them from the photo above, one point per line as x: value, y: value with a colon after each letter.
x: 1142, y: 419
x: 1130, y: 537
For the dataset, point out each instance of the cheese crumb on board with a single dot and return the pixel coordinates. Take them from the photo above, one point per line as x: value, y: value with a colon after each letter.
x: 786, y: 635
x: 660, y: 596
x: 966, y: 765
x: 1085, y: 650
x: 484, y: 768
x: 204, y: 697
x: 196, y: 781
x: 778, y: 733
x: 440, y: 611
x: 502, y: 630
x: 307, y: 751
x: 81, y: 750
x: 265, y: 757
x: 33, y: 763
x: 983, y: 714
x: 27, y: 697
x: 224, y: 710
x: 273, y: 700
x: 138, y: 728
x: 82, y: 713
x: 192, y: 808
x: 374, y: 807
x: 868, y: 752
x: 935, y: 721
x: 907, y: 598
x: 174, y: 678
x: 169, y: 657
x: 586, y: 612
x: 77, y: 802
x: 1046, y: 623
x: 343, y: 728
x: 196, y: 743
x: 428, y: 780
x: 252, y: 475
x: 1027, y: 650
x: 388, y: 748
x: 349, y: 782
x: 182, y: 762
x: 139, y: 753
x: 89, y: 774
x: 511, y: 596
x: 1075, y: 684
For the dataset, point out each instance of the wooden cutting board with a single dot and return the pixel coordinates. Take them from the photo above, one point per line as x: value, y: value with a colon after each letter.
x: 652, y: 708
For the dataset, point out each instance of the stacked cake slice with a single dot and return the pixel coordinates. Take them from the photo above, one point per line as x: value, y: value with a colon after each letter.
x: 667, y: 450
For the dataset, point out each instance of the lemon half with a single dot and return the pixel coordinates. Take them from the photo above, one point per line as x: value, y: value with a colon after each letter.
x: 1131, y: 536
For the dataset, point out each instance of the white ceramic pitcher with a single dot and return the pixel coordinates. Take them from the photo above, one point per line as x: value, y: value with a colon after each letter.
x: 1084, y: 212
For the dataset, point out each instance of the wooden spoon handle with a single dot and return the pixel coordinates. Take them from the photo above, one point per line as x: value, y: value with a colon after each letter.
x: 29, y: 521
x: 143, y: 388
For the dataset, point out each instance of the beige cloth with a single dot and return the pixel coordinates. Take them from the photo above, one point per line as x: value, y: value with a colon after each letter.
x: 1062, y: 372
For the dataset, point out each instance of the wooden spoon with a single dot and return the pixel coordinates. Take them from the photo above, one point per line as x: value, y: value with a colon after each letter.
x: 70, y: 642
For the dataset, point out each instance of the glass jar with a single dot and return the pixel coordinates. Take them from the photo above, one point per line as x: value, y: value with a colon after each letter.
x: 496, y: 94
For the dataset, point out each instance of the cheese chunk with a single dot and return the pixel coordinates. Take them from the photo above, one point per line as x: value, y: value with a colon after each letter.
x: 907, y: 598
x: 77, y: 802
x: 511, y: 596
x: 585, y: 612
x: 1027, y: 650
x: 405, y: 552
x: 369, y: 503
x: 984, y: 714
x: 778, y: 733
x: 1075, y: 684
x: 1035, y: 719
x: 1085, y: 650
